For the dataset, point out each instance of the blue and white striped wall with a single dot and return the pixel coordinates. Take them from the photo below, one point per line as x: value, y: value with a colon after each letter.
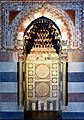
x: 8, y: 92
x: 75, y: 109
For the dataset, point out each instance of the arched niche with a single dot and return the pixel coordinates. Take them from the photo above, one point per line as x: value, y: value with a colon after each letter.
x: 42, y: 33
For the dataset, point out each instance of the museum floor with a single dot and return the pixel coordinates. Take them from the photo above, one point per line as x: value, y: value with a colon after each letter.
x: 42, y: 115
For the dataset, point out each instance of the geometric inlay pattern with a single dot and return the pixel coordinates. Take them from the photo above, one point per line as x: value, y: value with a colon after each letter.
x: 42, y: 89
x: 42, y: 71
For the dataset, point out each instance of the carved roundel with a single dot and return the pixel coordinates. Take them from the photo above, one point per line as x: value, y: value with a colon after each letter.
x: 42, y: 71
x: 42, y: 89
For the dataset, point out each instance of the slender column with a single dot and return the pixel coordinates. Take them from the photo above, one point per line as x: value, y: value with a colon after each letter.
x: 39, y: 105
x: 0, y: 27
x: 51, y: 106
x: 45, y: 105
x: 20, y: 84
x: 64, y: 83
x: 33, y: 106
